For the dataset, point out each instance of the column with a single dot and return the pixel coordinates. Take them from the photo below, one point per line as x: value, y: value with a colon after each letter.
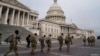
x: 6, y: 16
x: 23, y: 19
x: 27, y: 18
x: 18, y: 18
x: 52, y: 18
x: 59, y: 18
x: 55, y: 18
x: 12, y: 18
x: 0, y: 11
x: 33, y: 19
x: 62, y: 19
x: 30, y: 20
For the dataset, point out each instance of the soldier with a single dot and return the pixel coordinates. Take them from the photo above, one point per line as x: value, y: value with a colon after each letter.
x: 19, y: 39
x: 68, y: 42
x: 60, y: 39
x: 48, y: 42
x: 89, y: 41
x: 84, y: 40
x: 0, y: 37
x: 92, y: 41
x: 42, y: 42
x: 13, y: 45
x: 33, y: 42
x: 18, y: 36
x: 71, y: 40
x: 28, y: 41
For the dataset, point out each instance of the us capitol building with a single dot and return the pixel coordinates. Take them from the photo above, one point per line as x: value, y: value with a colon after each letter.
x: 12, y: 12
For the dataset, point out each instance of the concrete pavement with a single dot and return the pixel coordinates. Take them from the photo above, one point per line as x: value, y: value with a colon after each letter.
x: 77, y: 49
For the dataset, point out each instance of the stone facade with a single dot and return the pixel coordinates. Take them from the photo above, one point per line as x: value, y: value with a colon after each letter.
x: 55, y: 23
x: 81, y: 32
x: 48, y: 27
x: 13, y: 12
x: 55, y: 29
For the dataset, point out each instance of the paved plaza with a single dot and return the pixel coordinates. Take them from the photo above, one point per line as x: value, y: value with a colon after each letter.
x: 77, y: 49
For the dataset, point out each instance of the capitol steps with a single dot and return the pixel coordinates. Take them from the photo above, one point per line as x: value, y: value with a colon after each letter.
x: 7, y: 30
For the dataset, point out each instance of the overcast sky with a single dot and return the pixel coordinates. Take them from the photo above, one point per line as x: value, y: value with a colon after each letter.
x: 84, y: 13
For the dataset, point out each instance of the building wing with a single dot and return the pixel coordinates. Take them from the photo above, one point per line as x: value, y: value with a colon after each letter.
x: 15, y: 3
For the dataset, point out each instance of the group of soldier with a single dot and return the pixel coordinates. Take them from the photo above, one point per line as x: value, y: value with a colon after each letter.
x: 31, y: 40
x: 68, y: 41
x: 90, y: 40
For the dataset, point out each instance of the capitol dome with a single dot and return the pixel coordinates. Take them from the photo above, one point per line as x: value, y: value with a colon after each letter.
x: 55, y: 13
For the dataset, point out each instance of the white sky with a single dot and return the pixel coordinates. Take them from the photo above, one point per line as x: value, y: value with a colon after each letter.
x: 84, y: 13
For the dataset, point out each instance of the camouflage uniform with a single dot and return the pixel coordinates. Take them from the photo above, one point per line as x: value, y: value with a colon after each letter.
x: 84, y: 40
x: 48, y: 42
x: 18, y: 38
x: 68, y: 42
x: 42, y: 42
x: 33, y: 42
x: 60, y: 39
x: 89, y: 41
x: 92, y: 38
x: 71, y: 40
x: 28, y: 41
x: 13, y: 45
x: 0, y: 38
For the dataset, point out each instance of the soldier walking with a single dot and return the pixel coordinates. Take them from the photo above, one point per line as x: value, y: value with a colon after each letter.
x: 19, y: 39
x: 84, y: 40
x: 68, y: 42
x: 72, y: 40
x: 0, y: 37
x: 42, y: 42
x: 48, y: 42
x: 92, y: 41
x: 33, y: 42
x: 13, y: 44
x: 60, y: 40
x: 28, y: 41
x: 18, y: 36
x: 89, y: 41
